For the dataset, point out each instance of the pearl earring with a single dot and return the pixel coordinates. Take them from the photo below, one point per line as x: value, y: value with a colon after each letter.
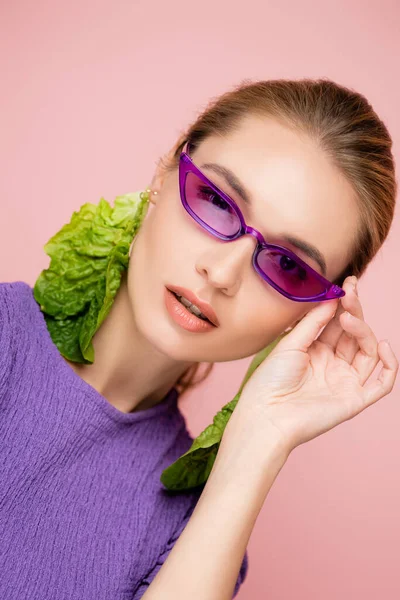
x: 146, y: 194
x: 150, y: 192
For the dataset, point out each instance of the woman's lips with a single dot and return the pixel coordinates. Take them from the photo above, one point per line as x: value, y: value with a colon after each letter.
x: 205, y: 307
x: 183, y: 317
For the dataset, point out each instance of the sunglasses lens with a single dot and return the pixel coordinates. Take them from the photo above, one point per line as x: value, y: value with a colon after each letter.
x: 289, y: 274
x: 209, y: 207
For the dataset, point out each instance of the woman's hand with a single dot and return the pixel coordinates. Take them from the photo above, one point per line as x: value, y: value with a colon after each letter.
x: 310, y: 384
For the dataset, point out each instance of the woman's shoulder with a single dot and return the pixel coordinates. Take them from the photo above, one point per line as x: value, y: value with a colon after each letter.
x: 17, y: 306
x: 11, y: 295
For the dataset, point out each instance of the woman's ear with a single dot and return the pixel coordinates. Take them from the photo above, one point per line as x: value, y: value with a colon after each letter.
x: 163, y: 168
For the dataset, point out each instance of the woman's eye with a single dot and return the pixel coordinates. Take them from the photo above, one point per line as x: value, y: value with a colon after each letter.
x: 208, y: 194
x: 289, y: 265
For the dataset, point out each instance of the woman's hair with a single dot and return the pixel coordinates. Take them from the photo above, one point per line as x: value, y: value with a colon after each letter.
x: 342, y: 123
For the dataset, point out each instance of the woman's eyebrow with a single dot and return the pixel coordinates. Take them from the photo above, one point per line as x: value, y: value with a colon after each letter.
x: 231, y: 179
x: 239, y: 188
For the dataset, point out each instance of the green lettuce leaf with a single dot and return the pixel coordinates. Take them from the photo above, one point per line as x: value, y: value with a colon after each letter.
x: 88, y: 256
x: 193, y: 468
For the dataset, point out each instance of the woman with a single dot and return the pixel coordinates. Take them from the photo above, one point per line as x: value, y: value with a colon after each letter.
x: 308, y: 165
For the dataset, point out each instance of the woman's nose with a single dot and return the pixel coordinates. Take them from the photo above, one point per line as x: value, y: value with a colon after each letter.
x: 225, y: 266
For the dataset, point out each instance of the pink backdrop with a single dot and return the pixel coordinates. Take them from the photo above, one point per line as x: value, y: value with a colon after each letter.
x: 91, y: 94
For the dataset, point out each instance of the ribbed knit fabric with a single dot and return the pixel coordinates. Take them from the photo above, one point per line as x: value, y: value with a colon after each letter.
x: 83, y: 514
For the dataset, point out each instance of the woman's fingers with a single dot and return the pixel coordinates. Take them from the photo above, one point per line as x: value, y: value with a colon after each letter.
x: 334, y: 330
x: 366, y: 358
x: 347, y: 346
x: 387, y: 376
x: 306, y: 331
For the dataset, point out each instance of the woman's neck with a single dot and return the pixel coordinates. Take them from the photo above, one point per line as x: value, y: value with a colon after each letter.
x: 128, y: 370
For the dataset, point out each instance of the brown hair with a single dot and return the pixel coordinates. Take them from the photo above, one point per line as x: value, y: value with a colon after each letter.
x: 343, y: 124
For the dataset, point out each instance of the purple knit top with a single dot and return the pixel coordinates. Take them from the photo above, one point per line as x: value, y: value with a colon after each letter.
x: 83, y: 514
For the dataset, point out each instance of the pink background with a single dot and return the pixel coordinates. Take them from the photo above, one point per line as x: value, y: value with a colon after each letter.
x: 92, y: 93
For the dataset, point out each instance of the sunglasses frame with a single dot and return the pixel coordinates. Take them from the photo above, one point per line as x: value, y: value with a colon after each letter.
x: 186, y: 165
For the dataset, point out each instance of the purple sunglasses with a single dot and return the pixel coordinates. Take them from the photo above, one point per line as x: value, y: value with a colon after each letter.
x: 218, y: 214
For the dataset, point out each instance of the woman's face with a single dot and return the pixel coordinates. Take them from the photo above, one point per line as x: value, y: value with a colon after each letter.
x: 294, y: 190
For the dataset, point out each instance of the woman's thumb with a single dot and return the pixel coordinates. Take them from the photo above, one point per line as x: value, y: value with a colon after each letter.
x: 302, y: 336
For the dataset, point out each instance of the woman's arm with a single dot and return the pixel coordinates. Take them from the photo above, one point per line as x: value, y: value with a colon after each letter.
x: 205, y: 561
x: 310, y: 383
